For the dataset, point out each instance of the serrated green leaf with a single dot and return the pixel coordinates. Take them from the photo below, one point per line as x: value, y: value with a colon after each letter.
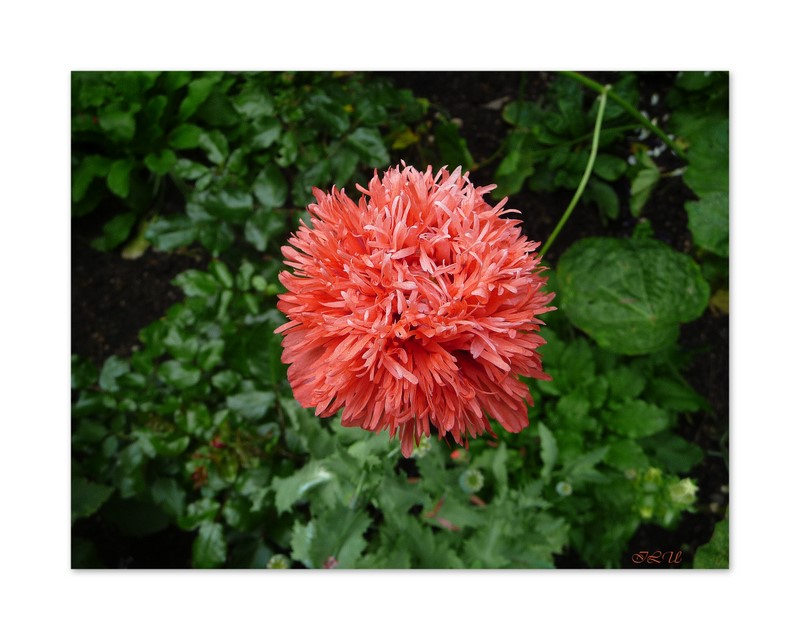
x: 293, y: 488
x: 625, y: 383
x: 269, y: 130
x: 630, y: 295
x: 517, y: 164
x: 549, y: 451
x: 626, y: 454
x: 636, y: 419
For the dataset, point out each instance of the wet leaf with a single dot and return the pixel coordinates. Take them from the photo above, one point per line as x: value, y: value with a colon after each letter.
x: 630, y: 295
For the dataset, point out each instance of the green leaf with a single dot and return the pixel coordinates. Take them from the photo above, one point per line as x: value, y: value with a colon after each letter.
x: 178, y: 374
x: 198, y: 92
x: 517, y: 164
x: 84, y: 373
x: 671, y: 452
x: 714, y: 554
x: 90, y: 168
x: 269, y: 130
x: 162, y: 162
x: 642, y: 186
x: 221, y: 272
x: 636, y: 419
x: 293, y: 488
x: 226, y: 381
x: 549, y: 451
x: 368, y: 143
x: 609, y: 167
x: 625, y: 383
x: 708, y: 222
x: 626, y: 454
x: 166, y: 235
x: 87, y: 497
x: 253, y: 103
x: 188, y: 170
x: 676, y: 395
x: 118, y: 179
x: 217, y: 110
x: 209, y: 548
x: 522, y: 113
x: 453, y: 150
x: 197, y: 283
x: 339, y: 534
x: 169, y: 496
x: 115, y: 231
x: 604, y: 196
x: 270, y: 187
x: 112, y: 369
x: 217, y: 237
x: 262, y: 227
x: 118, y: 122
x: 630, y: 295
x: 343, y: 164
x: 215, y: 144
x: 251, y: 405
x: 185, y: 136
x: 198, y: 512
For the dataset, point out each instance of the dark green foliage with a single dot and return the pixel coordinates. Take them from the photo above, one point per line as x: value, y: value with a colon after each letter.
x: 206, y: 157
x: 198, y: 431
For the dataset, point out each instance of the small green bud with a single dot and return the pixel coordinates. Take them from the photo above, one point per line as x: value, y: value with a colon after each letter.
x: 683, y: 492
x: 471, y: 481
x: 564, y: 489
x: 279, y: 561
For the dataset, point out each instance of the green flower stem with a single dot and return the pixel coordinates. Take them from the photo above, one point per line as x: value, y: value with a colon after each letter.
x: 588, y: 172
x: 596, y: 86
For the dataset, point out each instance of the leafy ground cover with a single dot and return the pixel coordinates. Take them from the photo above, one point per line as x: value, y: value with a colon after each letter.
x: 188, y: 447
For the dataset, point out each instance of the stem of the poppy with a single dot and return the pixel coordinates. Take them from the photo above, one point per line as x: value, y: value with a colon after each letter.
x: 588, y: 172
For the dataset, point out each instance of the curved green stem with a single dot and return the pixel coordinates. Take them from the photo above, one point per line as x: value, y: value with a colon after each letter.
x: 588, y: 172
x: 596, y: 86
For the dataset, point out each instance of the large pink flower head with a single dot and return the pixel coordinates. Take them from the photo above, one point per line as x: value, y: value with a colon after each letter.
x: 413, y: 310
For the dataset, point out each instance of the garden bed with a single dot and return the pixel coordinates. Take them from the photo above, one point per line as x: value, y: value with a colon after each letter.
x: 114, y: 298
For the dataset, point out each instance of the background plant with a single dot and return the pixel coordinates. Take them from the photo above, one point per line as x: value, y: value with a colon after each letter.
x: 197, y: 432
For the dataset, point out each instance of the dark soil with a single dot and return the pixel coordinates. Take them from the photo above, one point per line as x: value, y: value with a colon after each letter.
x: 113, y: 298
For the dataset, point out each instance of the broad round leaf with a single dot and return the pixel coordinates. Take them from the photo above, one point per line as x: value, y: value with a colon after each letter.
x: 630, y: 295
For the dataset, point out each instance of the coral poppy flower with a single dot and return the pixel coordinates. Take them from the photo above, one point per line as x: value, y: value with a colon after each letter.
x: 413, y: 310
